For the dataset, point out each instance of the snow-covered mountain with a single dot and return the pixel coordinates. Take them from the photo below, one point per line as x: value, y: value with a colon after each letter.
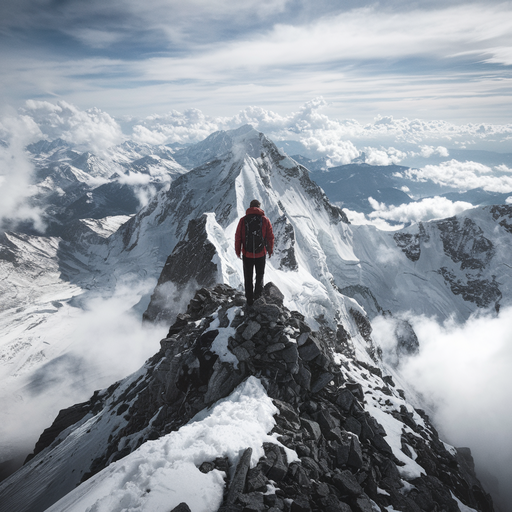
x: 334, y: 275
x: 72, y: 184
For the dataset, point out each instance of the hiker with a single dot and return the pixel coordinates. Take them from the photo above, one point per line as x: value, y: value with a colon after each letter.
x: 254, y: 239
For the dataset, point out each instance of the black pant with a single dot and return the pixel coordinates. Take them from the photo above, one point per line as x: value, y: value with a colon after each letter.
x: 249, y: 265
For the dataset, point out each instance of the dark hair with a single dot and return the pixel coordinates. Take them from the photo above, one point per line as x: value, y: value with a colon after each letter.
x: 255, y: 204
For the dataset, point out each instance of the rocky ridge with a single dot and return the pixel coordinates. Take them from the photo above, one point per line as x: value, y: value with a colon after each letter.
x: 360, y: 445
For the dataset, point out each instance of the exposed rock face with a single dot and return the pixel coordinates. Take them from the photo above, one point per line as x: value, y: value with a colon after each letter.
x: 284, y: 248
x: 473, y: 267
x: 360, y: 446
x: 465, y: 244
x: 410, y: 243
x: 190, y: 259
x: 502, y: 213
x: 480, y: 291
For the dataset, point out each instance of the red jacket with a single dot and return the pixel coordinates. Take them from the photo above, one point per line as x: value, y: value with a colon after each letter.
x: 268, y: 235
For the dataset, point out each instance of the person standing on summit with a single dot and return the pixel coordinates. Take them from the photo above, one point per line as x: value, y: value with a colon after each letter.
x: 254, y: 239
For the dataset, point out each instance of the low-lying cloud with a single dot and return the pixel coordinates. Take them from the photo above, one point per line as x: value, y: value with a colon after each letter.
x: 426, y: 209
x: 463, y: 372
x: 464, y: 176
x: 92, y: 130
x: 99, y: 341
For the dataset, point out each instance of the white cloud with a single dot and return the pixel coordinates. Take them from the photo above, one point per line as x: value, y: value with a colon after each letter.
x: 337, y: 151
x: 368, y: 33
x: 93, y: 129
x: 428, y: 151
x: 503, y: 168
x: 463, y: 371
x: 383, y: 156
x: 360, y: 219
x: 89, y: 347
x: 508, y: 200
x: 426, y: 209
x: 462, y: 176
x: 16, y: 172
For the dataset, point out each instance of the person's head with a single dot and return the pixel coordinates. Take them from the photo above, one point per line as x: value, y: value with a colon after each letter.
x: 255, y: 203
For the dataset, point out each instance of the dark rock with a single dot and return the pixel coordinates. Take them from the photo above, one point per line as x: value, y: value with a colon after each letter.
x: 356, y: 389
x: 206, y: 467
x: 287, y: 412
x: 346, y: 483
x: 303, y: 378
x: 352, y: 425
x: 273, y: 294
x: 363, y: 504
x: 381, y: 444
x: 275, y: 466
x: 251, y: 329
x: 182, y: 507
x: 345, y: 399
x: 312, y: 428
x: 326, y: 421
x: 322, y: 381
x: 255, y: 480
x: 252, y: 502
x: 237, y: 484
x: 290, y: 354
x: 192, y: 258
x: 300, y: 505
x: 312, y: 467
x: 310, y: 349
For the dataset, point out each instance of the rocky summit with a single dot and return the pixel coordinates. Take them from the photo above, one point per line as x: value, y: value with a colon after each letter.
x: 357, y: 444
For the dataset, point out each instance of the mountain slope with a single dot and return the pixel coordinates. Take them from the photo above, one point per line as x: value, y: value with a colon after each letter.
x: 344, y: 438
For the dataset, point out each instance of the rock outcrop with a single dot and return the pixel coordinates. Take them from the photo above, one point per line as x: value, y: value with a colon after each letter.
x: 360, y: 446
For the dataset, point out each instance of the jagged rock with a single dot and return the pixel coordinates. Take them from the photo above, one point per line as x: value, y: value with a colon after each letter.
x: 347, y: 484
x: 343, y: 456
x: 237, y: 484
x: 190, y: 259
x: 182, y: 507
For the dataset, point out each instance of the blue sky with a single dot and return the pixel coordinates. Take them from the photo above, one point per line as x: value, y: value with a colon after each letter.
x: 425, y: 59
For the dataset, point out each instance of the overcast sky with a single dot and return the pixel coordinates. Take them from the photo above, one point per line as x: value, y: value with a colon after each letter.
x: 428, y: 59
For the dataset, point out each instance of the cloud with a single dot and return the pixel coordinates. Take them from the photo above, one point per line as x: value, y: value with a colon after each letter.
x: 360, y: 219
x: 181, y: 127
x: 428, y: 151
x: 337, y: 151
x: 92, y: 130
x: 426, y: 209
x: 463, y: 372
x: 86, y: 347
x: 462, y: 176
x: 16, y: 172
x: 146, y: 56
x: 383, y: 156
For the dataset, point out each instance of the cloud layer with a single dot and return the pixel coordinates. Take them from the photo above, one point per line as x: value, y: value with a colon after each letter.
x: 464, y: 372
x: 445, y: 61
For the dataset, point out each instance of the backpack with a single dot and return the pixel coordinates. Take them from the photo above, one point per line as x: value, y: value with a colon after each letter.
x: 254, y: 242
